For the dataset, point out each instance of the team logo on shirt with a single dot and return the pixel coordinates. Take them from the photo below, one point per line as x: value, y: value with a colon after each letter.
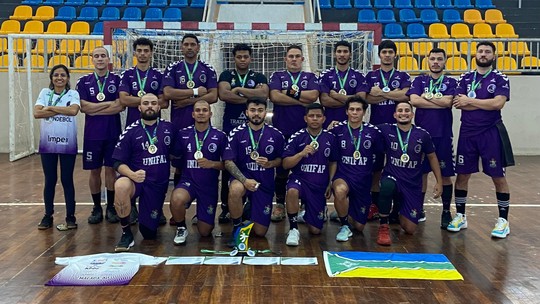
x: 154, y: 85
x: 367, y: 144
x: 182, y: 79
x: 111, y: 88
x: 353, y: 83
x: 266, y: 210
x: 491, y: 88
x: 418, y: 148
x: 303, y: 84
x: 167, y: 140
x: 251, y: 83
x: 443, y: 87
x: 321, y: 215
x: 210, y: 210
x: 154, y: 214
x: 269, y: 149
x: 442, y: 164
x: 493, y: 163
x: 395, y: 84
x: 414, y: 213
x: 363, y: 210
x: 326, y: 152
x: 212, y: 147
x: 202, y: 78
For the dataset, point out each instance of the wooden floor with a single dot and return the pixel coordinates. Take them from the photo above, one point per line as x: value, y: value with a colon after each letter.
x: 494, y: 271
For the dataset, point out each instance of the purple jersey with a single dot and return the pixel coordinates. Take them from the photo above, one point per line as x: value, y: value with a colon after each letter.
x: 383, y: 112
x: 132, y: 149
x: 477, y: 121
x: 438, y: 122
x: 313, y: 169
x: 289, y: 119
x: 213, y: 147
x: 371, y: 143
x: 177, y: 77
x: 329, y: 80
x: 234, y: 114
x: 419, y: 145
x: 100, y: 127
x: 238, y: 150
x: 130, y: 84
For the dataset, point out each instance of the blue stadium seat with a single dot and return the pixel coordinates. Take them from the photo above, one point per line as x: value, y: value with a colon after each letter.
x: 98, y: 29
x: 118, y: 3
x: 342, y: 4
x: 393, y: 30
x: 138, y: 3
x: 178, y: 3
x: 429, y: 16
x: 75, y: 2
x: 66, y: 13
x: 132, y: 14
x: 416, y: 30
x: 324, y: 4
x: 443, y: 4
x: 463, y: 4
x: 53, y: 2
x: 362, y: 4
x: 423, y: 4
x: 153, y: 14
x: 32, y: 2
x: 382, y: 4
x: 366, y: 16
x: 408, y: 16
x: 484, y: 4
x: 110, y: 13
x: 88, y: 13
x: 197, y: 3
x: 172, y: 14
x: 403, y: 4
x: 451, y: 16
x: 158, y: 3
x: 386, y: 16
x: 95, y: 2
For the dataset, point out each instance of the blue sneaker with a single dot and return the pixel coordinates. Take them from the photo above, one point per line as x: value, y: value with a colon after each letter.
x: 502, y: 229
x: 458, y: 222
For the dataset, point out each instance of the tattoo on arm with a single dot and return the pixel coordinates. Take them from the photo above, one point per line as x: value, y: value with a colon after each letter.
x: 233, y: 169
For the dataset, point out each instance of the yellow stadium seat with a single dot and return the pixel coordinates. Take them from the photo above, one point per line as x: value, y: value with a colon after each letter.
x: 10, y: 27
x: 450, y: 48
x: 456, y: 65
x: 460, y: 31
x: 505, y: 30
x: 438, y: 31
x: 425, y: 64
x: 83, y: 64
x: 494, y: 16
x: 422, y: 48
x: 57, y: 28
x: 4, y: 62
x: 44, y: 13
x: 404, y: 49
x: 19, y: 45
x: 119, y: 47
x: 464, y: 48
x: 407, y: 63
x: 507, y: 65
x: 3, y: 45
x: 69, y: 47
x: 472, y: 16
x: 134, y: 61
x: 530, y: 62
x: 36, y: 61
x: 518, y: 48
x: 33, y: 27
x: 90, y: 45
x: 44, y: 46
x: 482, y: 30
x: 79, y: 28
x: 59, y: 59
x: 22, y: 12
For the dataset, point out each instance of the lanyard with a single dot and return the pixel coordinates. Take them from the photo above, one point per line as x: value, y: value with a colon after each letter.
x: 101, y: 86
x: 255, y: 145
x: 190, y: 73
x: 198, y: 142
x: 153, y: 139
x: 475, y: 84
x: 242, y: 80
x: 405, y: 145
x: 52, y: 104
x: 295, y: 81
x: 437, y: 86
x: 356, y: 141
x: 384, y: 81
x: 314, y: 138
x: 343, y: 81
x: 142, y: 83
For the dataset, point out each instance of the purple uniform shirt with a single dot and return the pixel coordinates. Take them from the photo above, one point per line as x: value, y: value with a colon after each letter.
x: 477, y: 121
x: 270, y: 146
x: 289, y: 119
x: 234, y: 114
x: 383, y: 112
x: 176, y: 76
x: 419, y: 145
x: 132, y: 150
x: 213, y: 147
x: 438, y: 122
x: 130, y: 84
x: 329, y: 80
x: 313, y: 169
x: 100, y: 127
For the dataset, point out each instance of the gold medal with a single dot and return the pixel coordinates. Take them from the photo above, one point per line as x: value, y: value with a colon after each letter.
x: 356, y: 155
x: 191, y: 84
x: 100, y: 96
x: 429, y: 95
x: 404, y: 158
x: 314, y: 144
x: 386, y: 89
x: 438, y: 95
x: 198, y: 155
x: 295, y: 88
x: 342, y: 92
x: 254, y: 155
x: 141, y: 93
x: 152, y: 149
x: 471, y: 94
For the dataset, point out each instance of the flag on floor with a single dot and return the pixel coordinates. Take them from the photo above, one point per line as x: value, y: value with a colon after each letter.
x: 421, y: 266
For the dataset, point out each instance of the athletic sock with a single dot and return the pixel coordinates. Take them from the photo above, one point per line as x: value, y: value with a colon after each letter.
x: 461, y: 200
x: 446, y: 197
x: 293, y: 220
x: 126, y: 227
x: 181, y: 224
x: 110, y: 199
x: 503, y: 202
x: 375, y: 198
x: 344, y: 220
x: 96, y: 198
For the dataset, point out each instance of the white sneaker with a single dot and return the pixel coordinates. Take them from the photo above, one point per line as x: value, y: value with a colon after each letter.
x: 422, y: 216
x: 502, y: 229
x: 180, y: 236
x: 458, y: 222
x: 293, y: 238
x: 344, y: 234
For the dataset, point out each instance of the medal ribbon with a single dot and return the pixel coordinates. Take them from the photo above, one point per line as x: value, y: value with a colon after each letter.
x: 153, y: 138
x: 384, y: 81
x: 255, y: 145
x: 475, y: 84
x: 356, y: 141
x: 343, y: 81
x: 314, y: 138
x: 242, y: 80
x: 295, y: 81
x: 142, y: 83
x: 437, y: 86
x: 101, y: 86
x: 52, y: 104
x: 401, y: 144
x: 190, y: 73
x: 198, y: 142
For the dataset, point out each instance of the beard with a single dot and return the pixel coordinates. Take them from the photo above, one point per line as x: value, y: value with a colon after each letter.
x: 435, y: 71
x: 255, y: 122
x: 149, y: 115
x: 484, y: 64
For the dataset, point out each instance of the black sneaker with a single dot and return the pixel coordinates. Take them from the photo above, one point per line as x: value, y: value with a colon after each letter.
x: 224, y: 217
x: 422, y: 217
x: 133, y: 216
x: 46, y: 222
x: 112, y: 216
x: 162, y: 220
x: 446, y: 218
x: 96, y: 216
x: 71, y: 222
x: 126, y: 242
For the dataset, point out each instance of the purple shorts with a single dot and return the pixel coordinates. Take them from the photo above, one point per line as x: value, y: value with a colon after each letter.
x: 151, y: 197
x: 488, y: 147
x: 98, y: 153
x: 359, y: 196
x: 314, y: 200
x: 445, y: 154
x: 410, y: 197
x: 261, y: 206
x: 207, y: 199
